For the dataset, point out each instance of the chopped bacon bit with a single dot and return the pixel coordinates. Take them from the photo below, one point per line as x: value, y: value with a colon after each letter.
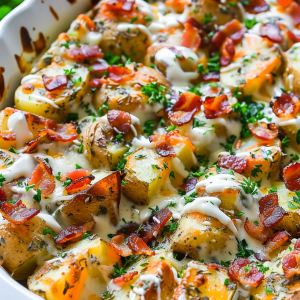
x: 290, y: 264
x: 84, y: 52
x: 17, y: 213
x: 259, y: 232
x: 270, y: 213
x: 211, y: 76
x: 125, y: 277
x: 138, y: 245
x: 291, y: 176
x: 87, y: 20
x: 98, y: 67
x: 191, y: 38
x: 238, y: 36
x: 257, y: 6
x: 218, y: 38
x: 286, y: 106
x: 263, y: 131
x: 119, y: 5
x: 189, y: 185
x: 293, y: 36
x: 95, y: 82
x: 55, y: 83
x: 163, y: 145
x: 277, y: 240
x: 73, y: 233
x: 284, y: 3
x: 185, y: 108
x: 297, y: 245
x: 272, y: 32
x: 3, y: 197
x: 238, y: 272
x: 294, y: 11
x: 215, y: 107
x: 119, y: 119
x: 233, y: 162
x: 117, y: 243
x: 152, y: 227
x: 75, y: 174
x: 80, y: 184
x: 227, y: 52
x: 129, y: 228
x: 118, y: 74
x: 43, y: 178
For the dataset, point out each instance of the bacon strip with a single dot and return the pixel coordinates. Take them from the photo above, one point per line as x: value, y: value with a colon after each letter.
x: 259, y: 232
x: 80, y: 184
x: 291, y: 176
x: 215, y: 107
x: 138, y: 246
x: 291, y: 262
x: 227, y: 52
x: 55, y: 83
x: 191, y: 38
x: 17, y: 213
x: 117, y: 243
x: 270, y: 213
x: 271, y: 31
x: 84, y: 52
x: 233, y: 162
x: 286, y: 106
x: 263, y: 131
x: 73, y: 233
x: 43, y: 178
x: 120, y: 120
x: 238, y: 272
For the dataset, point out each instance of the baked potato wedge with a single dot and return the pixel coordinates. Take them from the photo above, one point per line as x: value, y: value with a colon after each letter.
x: 80, y: 272
x: 103, y: 197
x: 145, y: 175
x: 197, y: 232
x: 21, y: 246
x: 257, y: 59
x: 102, y: 147
x: 200, y: 281
x: 32, y: 95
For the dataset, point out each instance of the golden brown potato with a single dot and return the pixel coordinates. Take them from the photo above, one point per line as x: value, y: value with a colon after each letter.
x: 128, y: 96
x: 145, y: 175
x: 199, y: 281
x: 81, y: 272
x: 200, y: 232
x: 101, y: 198
x: 102, y: 147
x: 21, y: 246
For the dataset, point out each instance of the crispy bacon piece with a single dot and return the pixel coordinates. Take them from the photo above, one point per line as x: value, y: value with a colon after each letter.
x: 293, y: 36
x: 233, y: 162
x: 259, y: 232
x: 117, y: 74
x: 17, y: 213
x: 257, y: 6
x: 117, y: 243
x: 189, y: 185
x: 263, y: 131
x: 185, y: 108
x: 291, y: 176
x: 121, y: 120
x: 43, y: 178
x: 3, y: 197
x: 138, y: 245
x: 238, y: 36
x: 55, y: 83
x: 75, y: 174
x: 191, y: 38
x: 286, y: 106
x: 284, y: 3
x: 227, y: 52
x: 99, y: 67
x: 125, y: 277
x: 238, y: 272
x: 211, y: 77
x: 73, y: 233
x: 129, y: 228
x: 290, y: 265
x: 151, y: 226
x: 277, y: 240
x: 294, y: 11
x: 84, y: 52
x: 270, y: 213
x: 80, y: 184
x: 271, y: 31
x: 163, y: 145
x: 120, y: 5
x: 215, y: 107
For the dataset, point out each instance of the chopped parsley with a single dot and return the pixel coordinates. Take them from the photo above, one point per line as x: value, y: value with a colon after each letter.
x: 155, y: 93
x: 248, y: 186
x: 38, y: 196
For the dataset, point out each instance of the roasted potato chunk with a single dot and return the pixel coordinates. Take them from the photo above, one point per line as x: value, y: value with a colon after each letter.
x: 103, y: 197
x: 21, y: 246
x: 102, y: 147
x: 32, y: 96
x: 145, y: 175
x: 291, y: 75
x: 128, y: 96
x: 197, y: 232
x: 256, y: 58
x: 200, y: 281
x: 87, y: 262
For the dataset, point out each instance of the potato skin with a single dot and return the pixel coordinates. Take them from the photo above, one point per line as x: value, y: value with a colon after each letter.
x: 291, y: 74
x: 21, y: 245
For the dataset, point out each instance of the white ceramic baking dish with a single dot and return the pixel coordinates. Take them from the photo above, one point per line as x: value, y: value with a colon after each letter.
x: 24, y: 33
